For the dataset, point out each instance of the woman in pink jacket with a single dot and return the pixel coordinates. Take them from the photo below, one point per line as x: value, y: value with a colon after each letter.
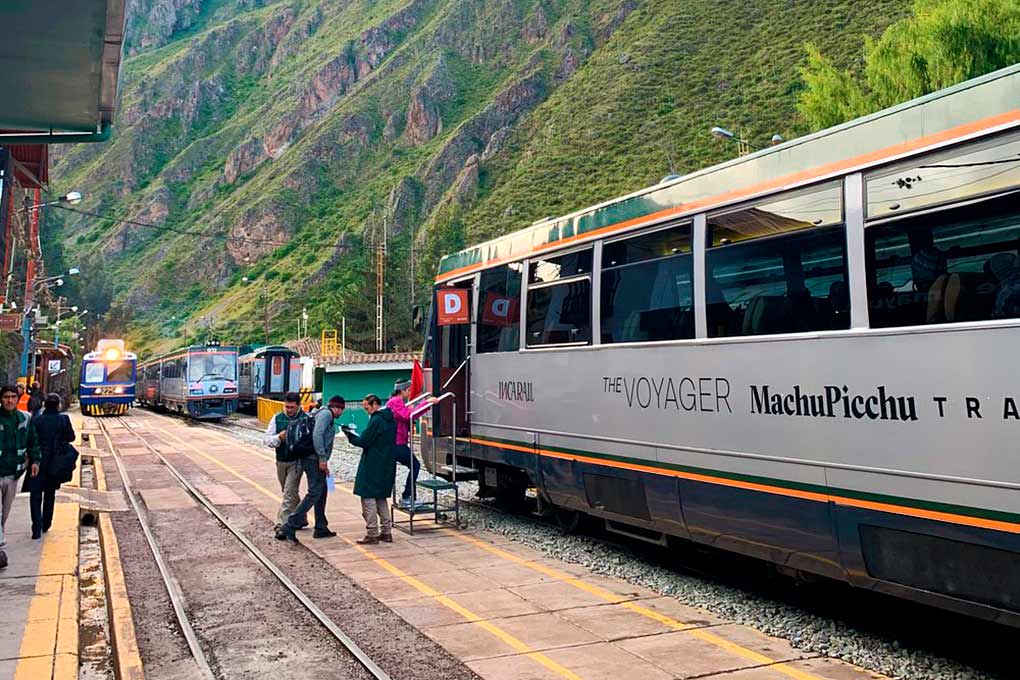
x: 397, y: 404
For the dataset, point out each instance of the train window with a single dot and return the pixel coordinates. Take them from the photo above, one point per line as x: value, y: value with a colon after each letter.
x: 647, y: 287
x: 960, y: 264
x: 559, y: 313
x: 118, y: 371
x: 816, y: 207
x: 211, y: 365
x: 94, y: 372
x: 778, y: 272
x: 546, y: 269
x: 977, y: 169
x: 499, y: 303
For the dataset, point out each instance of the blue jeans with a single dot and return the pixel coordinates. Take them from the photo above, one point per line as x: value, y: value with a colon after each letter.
x: 315, y: 498
x: 404, y: 456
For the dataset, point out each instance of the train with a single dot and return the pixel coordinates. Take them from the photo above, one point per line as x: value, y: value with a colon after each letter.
x: 270, y: 372
x: 53, y: 368
x: 106, y: 383
x: 199, y: 381
x: 806, y: 355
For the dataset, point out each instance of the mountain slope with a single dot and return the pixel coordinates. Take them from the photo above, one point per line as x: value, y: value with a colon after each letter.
x: 274, y: 143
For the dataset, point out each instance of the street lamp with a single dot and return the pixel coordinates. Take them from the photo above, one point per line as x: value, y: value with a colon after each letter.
x: 26, y: 324
x: 744, y: 146
x: 70, y: 198
x: 265, y: 306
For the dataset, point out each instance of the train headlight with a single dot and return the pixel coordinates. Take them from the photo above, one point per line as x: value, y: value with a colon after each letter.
x: 194, y: 390
x: 229, y: 390
x: 118, y: 390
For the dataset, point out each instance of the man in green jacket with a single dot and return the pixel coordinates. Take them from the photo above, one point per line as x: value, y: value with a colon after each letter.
x: 376, y: 470
x: 18, y: 449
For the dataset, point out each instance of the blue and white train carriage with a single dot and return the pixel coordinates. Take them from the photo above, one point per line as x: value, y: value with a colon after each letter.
x: 107, y: 381
x: 808, y: 354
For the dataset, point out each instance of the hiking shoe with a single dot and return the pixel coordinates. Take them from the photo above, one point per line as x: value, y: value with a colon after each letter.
x: 323, y: 533
x: 284, y: 535
x: 3, y: 559
x: 368, y: 540
x: 386, y: 538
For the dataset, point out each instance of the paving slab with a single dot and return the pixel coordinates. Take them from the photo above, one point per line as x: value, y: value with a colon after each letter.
x: 555, y: 595
x: 827, y: 669
x: 693, y: 653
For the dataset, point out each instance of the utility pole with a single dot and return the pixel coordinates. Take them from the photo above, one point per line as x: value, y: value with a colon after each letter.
x: 380, y: 282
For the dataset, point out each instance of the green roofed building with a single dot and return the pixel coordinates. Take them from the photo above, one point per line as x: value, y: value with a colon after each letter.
x: 357, y: 374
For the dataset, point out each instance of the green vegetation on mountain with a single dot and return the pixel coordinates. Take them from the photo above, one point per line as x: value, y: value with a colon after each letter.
x: 945, y: 42
x: 269, y: 145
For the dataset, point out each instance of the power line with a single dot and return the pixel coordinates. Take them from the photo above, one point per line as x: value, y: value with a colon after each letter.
x: 202, y: 234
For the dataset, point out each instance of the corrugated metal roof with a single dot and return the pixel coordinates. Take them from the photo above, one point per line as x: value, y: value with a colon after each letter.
x: 312, y: 347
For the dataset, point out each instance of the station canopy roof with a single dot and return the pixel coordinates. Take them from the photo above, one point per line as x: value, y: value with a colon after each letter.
x: 59, y: 67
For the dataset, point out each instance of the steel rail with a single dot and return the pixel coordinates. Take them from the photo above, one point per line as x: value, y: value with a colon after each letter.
x: 173, y: 589
x: 349, y: 644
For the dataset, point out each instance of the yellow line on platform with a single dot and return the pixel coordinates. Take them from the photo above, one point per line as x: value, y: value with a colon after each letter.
x: 52, y: 627
x: 447, y: 602
x: 613, y: 598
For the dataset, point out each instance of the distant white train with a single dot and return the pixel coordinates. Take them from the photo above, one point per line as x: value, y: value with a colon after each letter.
x: 808, y: 354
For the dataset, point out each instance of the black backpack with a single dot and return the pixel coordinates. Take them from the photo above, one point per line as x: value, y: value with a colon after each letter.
x: 299, y: 438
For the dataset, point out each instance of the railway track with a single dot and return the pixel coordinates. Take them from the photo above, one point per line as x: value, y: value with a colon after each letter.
x: 173, y: 588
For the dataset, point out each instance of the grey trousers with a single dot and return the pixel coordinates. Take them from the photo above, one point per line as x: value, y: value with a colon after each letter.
x: 289, y: 475
x: 8, y: 490
x: 375, y: 510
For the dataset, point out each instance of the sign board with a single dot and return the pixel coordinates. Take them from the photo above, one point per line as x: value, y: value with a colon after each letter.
x: 453, y: 307
x: 499, y: 310
x: 53, y: 366
x: 10, y: 322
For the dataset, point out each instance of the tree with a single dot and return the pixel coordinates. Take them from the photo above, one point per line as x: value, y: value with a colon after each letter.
x: 943, y: 43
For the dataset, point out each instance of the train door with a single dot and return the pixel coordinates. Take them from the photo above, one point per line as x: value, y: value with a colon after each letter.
x: 277, y: 374
x: 258, y: 378
x: 450, y: 352
x: 294, y: 383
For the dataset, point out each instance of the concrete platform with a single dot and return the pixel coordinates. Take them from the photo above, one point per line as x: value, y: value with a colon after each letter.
x: 39, y: 591
x: 503, y: 608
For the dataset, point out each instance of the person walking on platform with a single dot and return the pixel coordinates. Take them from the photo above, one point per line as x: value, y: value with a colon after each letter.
x: 402, y: 450
x: 35, y: 399
x: 18, y: 449
x: 316, y: 468
x: 288, y: 467
x: 373, y: 482
x: 54, y: 432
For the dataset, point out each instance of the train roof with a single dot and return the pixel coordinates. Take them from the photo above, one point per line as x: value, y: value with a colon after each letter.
x: 980, y: 105
x: 191, y: 348
x: 261, y: 351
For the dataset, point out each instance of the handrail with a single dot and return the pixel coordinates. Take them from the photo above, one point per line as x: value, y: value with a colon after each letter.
x: 450, y: 379
x: 421, y: 396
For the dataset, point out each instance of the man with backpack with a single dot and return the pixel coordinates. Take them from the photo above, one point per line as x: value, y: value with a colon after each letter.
x: 288, y: 457
x: 321, y: 431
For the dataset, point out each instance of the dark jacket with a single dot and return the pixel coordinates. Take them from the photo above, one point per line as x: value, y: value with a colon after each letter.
x: 17, y: 440
x: 376, y: 469
x: 277, y: 425
x: 53, y: 431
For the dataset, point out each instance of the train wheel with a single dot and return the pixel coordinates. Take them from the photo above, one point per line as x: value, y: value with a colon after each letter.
x: 568, y: 520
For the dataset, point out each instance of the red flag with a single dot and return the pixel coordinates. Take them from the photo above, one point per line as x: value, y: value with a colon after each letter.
x: 417, y: 379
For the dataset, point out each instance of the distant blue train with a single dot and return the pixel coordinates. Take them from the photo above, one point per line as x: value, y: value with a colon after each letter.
x: 107, y: 380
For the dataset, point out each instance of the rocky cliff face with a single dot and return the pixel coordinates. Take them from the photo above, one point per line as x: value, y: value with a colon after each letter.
x: 269, y: 147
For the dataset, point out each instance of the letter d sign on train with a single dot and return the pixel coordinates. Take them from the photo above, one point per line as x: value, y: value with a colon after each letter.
x: 453, y: 307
